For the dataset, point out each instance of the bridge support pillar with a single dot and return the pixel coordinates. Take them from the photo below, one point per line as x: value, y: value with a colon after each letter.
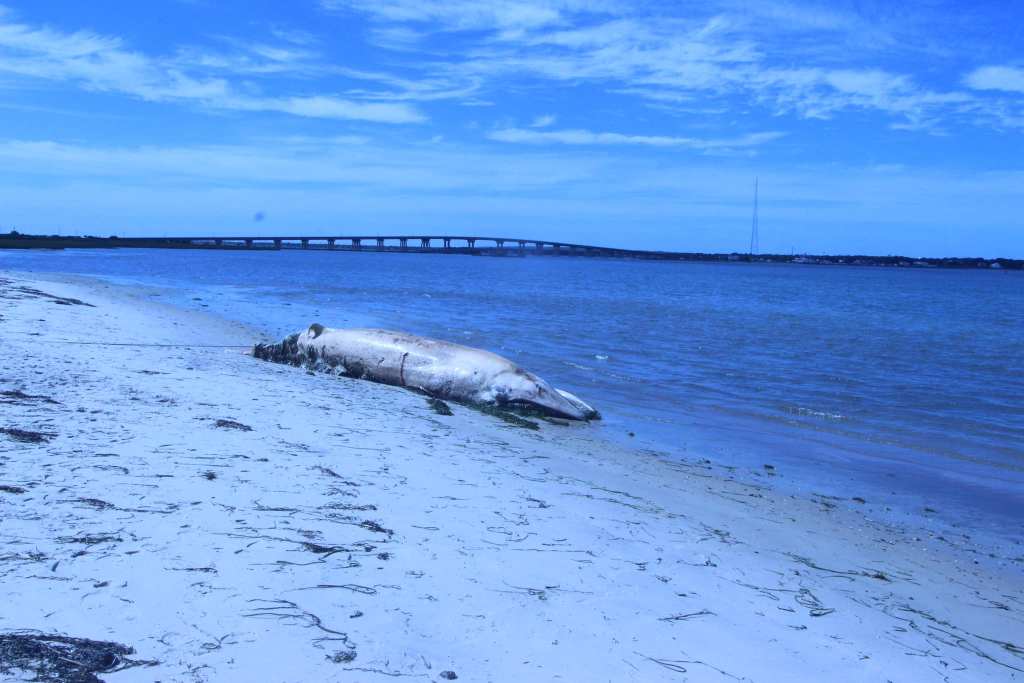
x: 277, y: 244
x: 357, y: 243
x: 404, y: 242
x: 218, y: 242
x: 471, y: 243
x: 248, y: 244
x: 330, y: 243
x: 500, y: 244
x: 447, y: 243
x: 305, y: 244
x: 425, y: 242
x: 380, y: 242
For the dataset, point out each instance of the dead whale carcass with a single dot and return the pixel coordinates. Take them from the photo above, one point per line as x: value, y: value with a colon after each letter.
x: 438, y: 368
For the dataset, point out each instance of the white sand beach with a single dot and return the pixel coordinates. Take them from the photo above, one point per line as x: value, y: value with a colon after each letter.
x: 237, y: 520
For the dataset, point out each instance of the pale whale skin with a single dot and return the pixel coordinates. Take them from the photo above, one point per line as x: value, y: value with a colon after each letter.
x: 438, y: 368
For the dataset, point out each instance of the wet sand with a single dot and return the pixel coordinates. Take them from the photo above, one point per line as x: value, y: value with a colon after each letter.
x: 232, y: 519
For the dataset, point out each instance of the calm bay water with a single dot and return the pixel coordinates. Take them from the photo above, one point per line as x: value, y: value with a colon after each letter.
x: 907, y: 384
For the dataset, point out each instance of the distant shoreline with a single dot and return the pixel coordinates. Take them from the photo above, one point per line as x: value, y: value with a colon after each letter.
x: 16, y: 240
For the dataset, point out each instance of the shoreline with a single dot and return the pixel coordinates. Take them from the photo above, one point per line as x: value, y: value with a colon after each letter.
x: 819, y: 436
x: 398, y: 244
x: 886, y: 483
x: 508, y: 553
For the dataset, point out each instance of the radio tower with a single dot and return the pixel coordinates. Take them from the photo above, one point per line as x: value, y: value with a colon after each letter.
x: 754, y: 246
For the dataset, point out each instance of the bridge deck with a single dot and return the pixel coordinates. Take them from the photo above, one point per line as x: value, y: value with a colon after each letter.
x: 416, y: 243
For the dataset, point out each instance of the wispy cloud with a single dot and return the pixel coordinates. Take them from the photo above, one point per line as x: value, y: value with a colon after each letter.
x: 543, y: 121
x: 324, y: 107
x: 1004, y: 78
x: 467, y: 15
x: 103, y: 63
x: 723, y: 50
x: 586, y: 137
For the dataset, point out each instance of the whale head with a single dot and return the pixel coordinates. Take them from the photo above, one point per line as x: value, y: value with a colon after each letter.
x: 521, y: 389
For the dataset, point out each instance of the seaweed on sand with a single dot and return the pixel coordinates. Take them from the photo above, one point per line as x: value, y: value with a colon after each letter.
x: 286, y: 352
x: 342, y: 656
x: 62, y: 659
x: 439, y: 406
x: 90, y: 539
x: 375, y: 527
x: 25, y: 436
x: 232, y: 424
x: 39, y: 294
x: 507, y: 416
x: 17, y: 396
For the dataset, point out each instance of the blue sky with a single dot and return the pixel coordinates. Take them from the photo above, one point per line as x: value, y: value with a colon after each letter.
x: 874, y: 127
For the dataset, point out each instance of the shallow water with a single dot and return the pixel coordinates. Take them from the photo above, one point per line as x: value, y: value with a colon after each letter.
x: 907, y: 384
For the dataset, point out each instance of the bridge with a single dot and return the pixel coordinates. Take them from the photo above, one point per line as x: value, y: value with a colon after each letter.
x: 449, y: 244
x: 487, y: 246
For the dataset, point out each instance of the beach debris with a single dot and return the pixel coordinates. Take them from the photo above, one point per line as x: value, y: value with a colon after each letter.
x: 94, y: 503
x: 288, y: 611
x: 17, y: 396
x: 439, y: 406
x: 439, y: 369
x: 370, y: 525
x: 355, y: 588
x: 509, y: 417
x: 325, y: 550
x: 34, y: 556
x: 62, y: 659
x: 32, y: 292
x: 721, y: 534
x: 7, y: 488
x: 209, y: 475
x: 849, y: 574
x: 342, y: 656
x: 349, y: 507
x: 232, y: 424
x: 90, y: 539
x: 688, y: 616
x: 676, y: 665
x: 805, y: 598
x: 26, y: 436
x: 272, y: 508
x: 448, y: 675
x: 328, y: 471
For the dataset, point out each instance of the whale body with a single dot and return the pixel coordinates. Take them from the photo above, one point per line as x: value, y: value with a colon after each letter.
x: 438, y: 368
